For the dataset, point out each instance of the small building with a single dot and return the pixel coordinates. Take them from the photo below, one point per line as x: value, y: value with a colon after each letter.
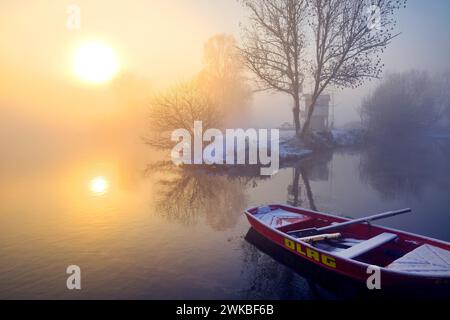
x: 286, y: 126
x: 319, y: 119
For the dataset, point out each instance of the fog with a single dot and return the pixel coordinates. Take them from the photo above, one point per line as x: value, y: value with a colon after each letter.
x: 40, y: 97
x: 423, y: 44
x: 80, y: 185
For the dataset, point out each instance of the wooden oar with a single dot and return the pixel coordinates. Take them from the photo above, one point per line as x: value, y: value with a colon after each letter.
x: 320, y: 237
x: 315, y: 231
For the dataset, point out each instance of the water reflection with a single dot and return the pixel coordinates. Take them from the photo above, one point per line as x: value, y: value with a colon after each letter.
x: 218, y: 195
x: 354, y: 183
x: 299, y: 189
x: 138, y: 239
x: 189, y: 194
x: 279, y: 274
x: 407, y: 169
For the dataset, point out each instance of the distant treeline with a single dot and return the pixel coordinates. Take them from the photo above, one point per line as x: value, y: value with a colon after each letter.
x: 407, y: 104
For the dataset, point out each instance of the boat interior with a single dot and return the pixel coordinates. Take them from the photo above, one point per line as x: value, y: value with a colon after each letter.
x: 364, y: 242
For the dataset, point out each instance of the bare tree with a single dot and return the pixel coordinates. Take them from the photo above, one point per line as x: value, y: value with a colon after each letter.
x: 223, y: 76
x: 178, y: 108
x: 349, y: 37
x: 216, y: 95
x: 274, y: 45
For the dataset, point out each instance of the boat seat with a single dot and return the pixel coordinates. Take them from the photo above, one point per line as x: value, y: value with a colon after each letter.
x: 279, y: 218
x: 367, y: 245
x: 426, y: 259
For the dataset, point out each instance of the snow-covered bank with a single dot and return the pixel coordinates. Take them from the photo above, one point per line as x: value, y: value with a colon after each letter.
x: 292, y: 148
x: 347, y: 137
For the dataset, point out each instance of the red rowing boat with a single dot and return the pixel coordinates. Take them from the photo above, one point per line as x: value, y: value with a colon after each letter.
x: 401, y: 257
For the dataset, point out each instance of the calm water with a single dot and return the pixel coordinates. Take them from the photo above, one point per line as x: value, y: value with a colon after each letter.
x: 155, y: 231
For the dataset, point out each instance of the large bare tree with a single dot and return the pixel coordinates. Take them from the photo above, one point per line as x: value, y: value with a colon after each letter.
x: 330, y: 42
x: 217, y: 95
x: 349, y: 37
x: 273, y: 46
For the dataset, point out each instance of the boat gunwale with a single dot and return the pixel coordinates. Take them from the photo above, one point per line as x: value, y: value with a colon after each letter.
x: 356, y: 262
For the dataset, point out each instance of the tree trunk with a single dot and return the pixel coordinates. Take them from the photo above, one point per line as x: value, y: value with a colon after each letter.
x: 296, y: 113
x: 309, y: 114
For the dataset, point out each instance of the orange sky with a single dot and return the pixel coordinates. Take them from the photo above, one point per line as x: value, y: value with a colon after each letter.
x: 158, y: 43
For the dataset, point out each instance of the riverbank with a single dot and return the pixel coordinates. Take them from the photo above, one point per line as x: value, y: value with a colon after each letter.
x: 293, y: 148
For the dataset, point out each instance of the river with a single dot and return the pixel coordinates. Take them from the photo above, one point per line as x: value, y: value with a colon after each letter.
x: 140, y: 228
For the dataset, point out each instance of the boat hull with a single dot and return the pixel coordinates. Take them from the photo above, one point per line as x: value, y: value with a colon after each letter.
x: 353, y: 269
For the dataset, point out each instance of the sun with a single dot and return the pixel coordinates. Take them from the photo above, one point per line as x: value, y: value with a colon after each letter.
x: 99, y: 185
x: 95, y: 63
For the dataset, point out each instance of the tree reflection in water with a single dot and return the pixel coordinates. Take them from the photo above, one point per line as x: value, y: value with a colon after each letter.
x: 187, y: 194
x: 300, y: 193
x: 269, y: 276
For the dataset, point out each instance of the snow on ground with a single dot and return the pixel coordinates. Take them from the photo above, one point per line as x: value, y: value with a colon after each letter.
x: 346, y: 137
x: 291, y: 148
x: 289, y: 151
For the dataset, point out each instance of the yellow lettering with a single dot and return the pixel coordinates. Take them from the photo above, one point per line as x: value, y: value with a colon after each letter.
x: 299, y: 249
x: 289, y: 243
x: 326, y: 260
x: 312, y: 254
x: 329, y: 261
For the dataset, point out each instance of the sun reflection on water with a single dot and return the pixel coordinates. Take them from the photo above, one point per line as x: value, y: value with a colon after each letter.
x: 99, y: 186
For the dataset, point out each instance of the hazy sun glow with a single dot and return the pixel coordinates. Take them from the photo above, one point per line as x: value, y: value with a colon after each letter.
x: 95, y: 63
x: 99, y: 185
